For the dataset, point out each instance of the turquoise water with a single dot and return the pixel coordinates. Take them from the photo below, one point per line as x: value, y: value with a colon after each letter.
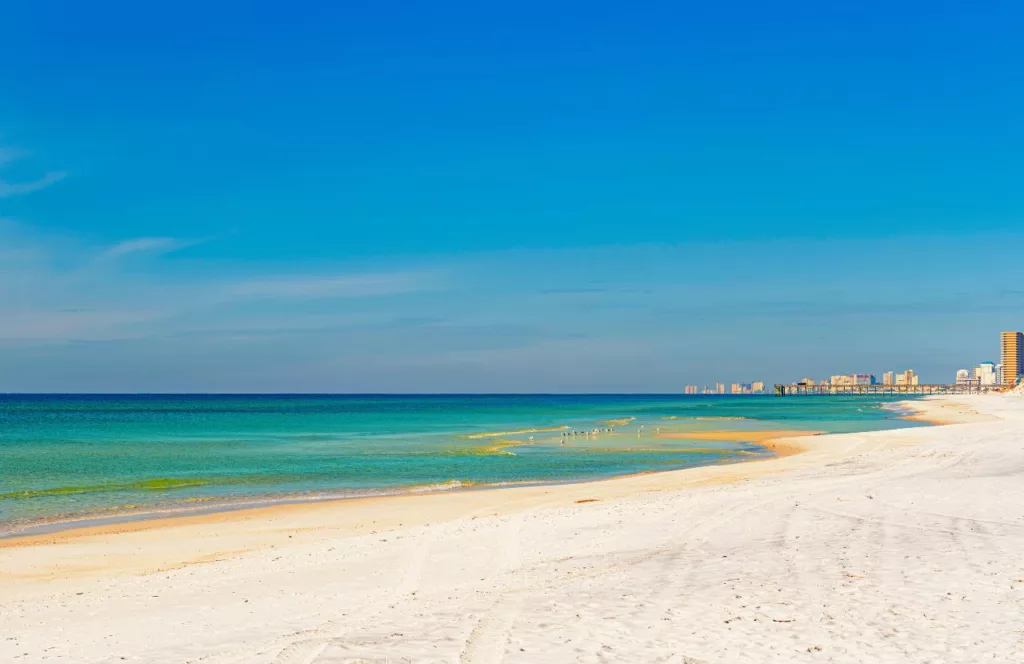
x: 66, y: 457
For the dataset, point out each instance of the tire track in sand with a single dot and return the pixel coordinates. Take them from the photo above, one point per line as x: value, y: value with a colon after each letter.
x: 487, y: 641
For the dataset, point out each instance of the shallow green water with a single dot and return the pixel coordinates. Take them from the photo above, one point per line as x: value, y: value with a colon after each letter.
x: 70, y: 456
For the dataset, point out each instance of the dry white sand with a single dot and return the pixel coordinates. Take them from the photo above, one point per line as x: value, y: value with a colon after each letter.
x: 895, y: 546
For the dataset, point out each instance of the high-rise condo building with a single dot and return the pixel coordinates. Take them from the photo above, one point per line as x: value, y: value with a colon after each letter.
x: 908, y: 378
x: 986, y: 374
x: 1013, y: 356
x: 889, y: 378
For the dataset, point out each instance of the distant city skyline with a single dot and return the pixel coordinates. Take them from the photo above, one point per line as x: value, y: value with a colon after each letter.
x: 983, y: 374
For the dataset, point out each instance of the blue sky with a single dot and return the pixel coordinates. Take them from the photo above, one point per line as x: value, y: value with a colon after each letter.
x: 534, y: 197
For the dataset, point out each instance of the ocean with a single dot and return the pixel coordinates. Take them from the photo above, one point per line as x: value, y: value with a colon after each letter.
x: 72, y: 457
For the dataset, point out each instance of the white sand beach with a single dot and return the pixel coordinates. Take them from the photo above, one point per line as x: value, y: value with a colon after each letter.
x: 892, y: 546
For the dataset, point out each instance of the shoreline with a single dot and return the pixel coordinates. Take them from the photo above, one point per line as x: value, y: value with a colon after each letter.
x: 784, y: 445
x: 121, y: 522
x: 61, y: 531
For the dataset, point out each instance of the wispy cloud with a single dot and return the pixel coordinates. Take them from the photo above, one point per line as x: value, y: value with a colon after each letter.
x: 10, y: 154
x: 152, y: 245
x: 46, y: 325
x: 572, y: 291
x: 7, y: 155
x: 19, y: 188
x: 63, y: 290
x: 509, y: 322
x: 310, y: 287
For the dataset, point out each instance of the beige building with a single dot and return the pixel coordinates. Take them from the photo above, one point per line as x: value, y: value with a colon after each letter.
x: 889, y: 378
x: 1013, y: 356
x: 908, y: 378
x: 757, y: 387
x: 986, y: 374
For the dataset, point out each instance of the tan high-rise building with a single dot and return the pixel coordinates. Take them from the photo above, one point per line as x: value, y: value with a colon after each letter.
x: 1013, y: 356
x: 908, y: 378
